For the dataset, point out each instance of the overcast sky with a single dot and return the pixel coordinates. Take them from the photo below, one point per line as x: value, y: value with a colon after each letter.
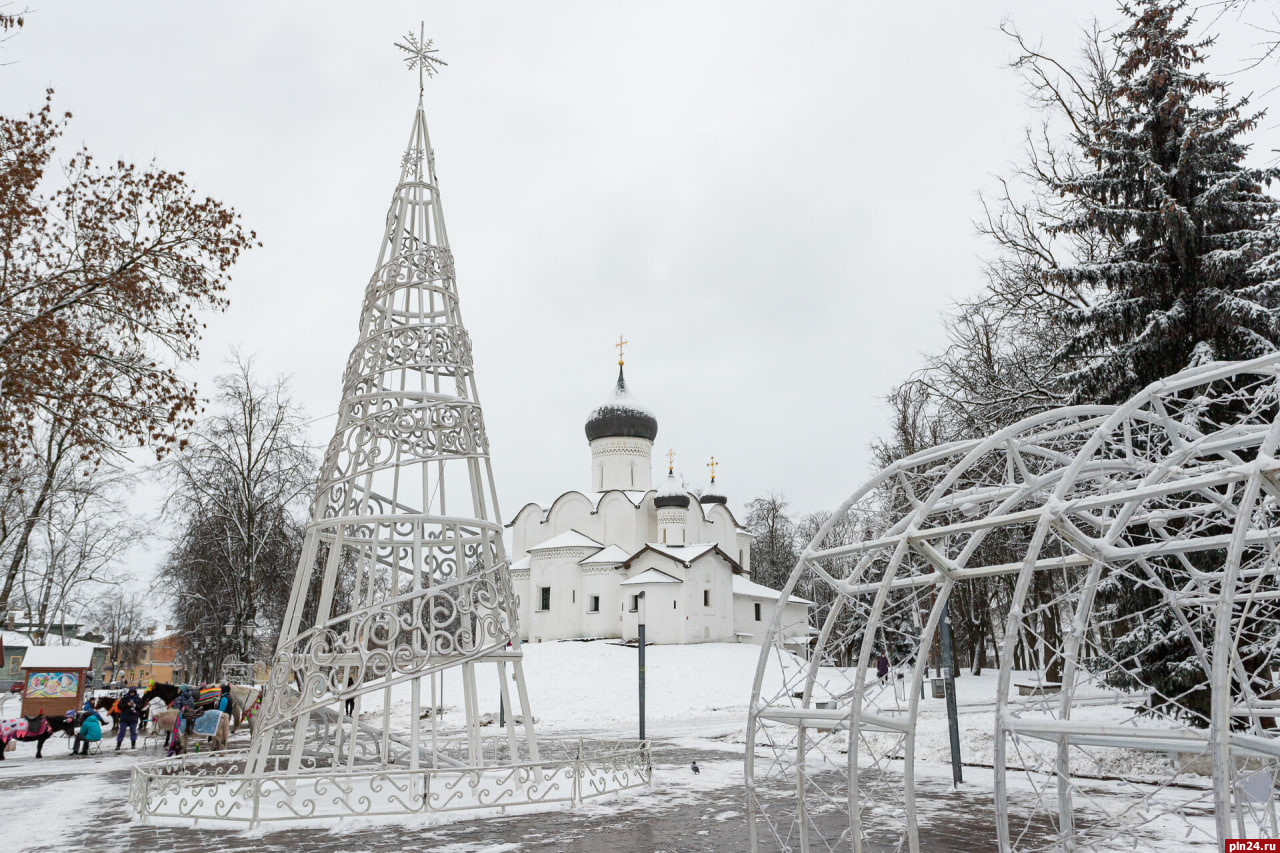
x: 772, y: 201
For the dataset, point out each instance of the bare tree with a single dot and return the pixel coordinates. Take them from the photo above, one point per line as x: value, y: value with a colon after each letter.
x: 773, y: 549
x: 82, y: 535
x: 121, y: 617
x: 237, y: 496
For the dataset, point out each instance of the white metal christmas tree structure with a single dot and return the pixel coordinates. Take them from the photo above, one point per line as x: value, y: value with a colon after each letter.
x: 403, y: 586
x: 403, y: 573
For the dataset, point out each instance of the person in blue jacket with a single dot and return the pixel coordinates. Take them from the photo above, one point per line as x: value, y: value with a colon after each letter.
x: 90, y: 732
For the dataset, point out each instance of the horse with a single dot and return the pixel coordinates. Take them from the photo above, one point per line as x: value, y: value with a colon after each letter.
x: 204, y: 696
x: 166, y: 692
x: 168, y: 721
x: 108, y: 704
x: 38, y: 728
x: 245, y: 702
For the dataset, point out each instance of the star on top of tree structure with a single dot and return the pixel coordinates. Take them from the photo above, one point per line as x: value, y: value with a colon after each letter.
x: 412, y: 157
x: 421, y: 55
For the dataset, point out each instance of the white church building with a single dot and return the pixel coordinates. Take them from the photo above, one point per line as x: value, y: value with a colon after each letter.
x: 596, y: 563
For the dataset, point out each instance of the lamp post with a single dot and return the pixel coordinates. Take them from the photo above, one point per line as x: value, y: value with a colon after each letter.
x: 949, y: 683
x: 640, y: 626
x: 198, y: 667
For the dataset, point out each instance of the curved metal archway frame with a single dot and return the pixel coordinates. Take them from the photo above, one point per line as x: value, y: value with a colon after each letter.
x: 1073, y: 500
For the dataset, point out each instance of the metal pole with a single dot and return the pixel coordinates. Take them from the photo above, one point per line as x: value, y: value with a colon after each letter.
x: 502, y: 712
x: 949, y: 662
x: 641, y: 681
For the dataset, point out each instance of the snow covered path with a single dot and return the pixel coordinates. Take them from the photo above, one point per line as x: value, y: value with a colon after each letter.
x: 80, y: 806
x: 697, y: 710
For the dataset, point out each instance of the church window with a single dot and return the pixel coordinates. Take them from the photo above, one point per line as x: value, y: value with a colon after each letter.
x: 757, y: 611
x: 635, y: 603
x: 664, y: 536
x: 673, y: 605
x: 706, y: 598
x: 544, y: 598
x: 594, y: 603
x: 573, y: 596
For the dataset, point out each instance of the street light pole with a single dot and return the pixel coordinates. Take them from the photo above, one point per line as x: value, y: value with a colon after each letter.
x: 949, y: 683
x: 640, y: 625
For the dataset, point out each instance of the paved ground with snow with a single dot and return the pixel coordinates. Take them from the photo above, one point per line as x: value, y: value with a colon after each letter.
x: 697, y: 711
x: 78, y: 804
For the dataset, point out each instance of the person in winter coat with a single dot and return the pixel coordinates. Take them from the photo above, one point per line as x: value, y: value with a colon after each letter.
x: 130, y: 712
x: 90, y: 732
x: 185, y: 702
x: 155, y: 706
x: 882, y: 666
x: 224, y: 700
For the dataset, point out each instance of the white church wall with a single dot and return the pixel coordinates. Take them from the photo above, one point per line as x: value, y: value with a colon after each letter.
x: 617, y: 517
x: 520, y: 585
x: 557, y: 613
x: 526, y: 530
x: 621, y: 463
x: 572, y: 511
x: 672, y: 526
x: 743, y: 545
x: 605, y: 620
x: 745, y: 622
x: 664, y: 610
x: 709, y: 601
x: 795, y: 619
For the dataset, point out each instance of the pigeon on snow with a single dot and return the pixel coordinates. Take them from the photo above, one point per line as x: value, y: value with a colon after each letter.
x: 694, y: 767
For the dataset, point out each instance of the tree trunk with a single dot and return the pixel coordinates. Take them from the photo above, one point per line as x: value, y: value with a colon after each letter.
x: 28, y: 527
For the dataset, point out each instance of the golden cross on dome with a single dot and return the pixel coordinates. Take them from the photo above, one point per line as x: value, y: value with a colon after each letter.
x: 421, y: 54
x: 671, y: 461
x: 622, y: 342
x: 712, y: 465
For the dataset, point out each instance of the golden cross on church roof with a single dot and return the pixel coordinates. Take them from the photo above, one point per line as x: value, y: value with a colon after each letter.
x: 671, y: 461
x: 622, y: 342
x: 712, y: 465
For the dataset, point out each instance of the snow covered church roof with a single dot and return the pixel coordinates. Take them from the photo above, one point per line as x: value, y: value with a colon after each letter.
x: 742, y: 586
x: 612, y: 554
x: 568, y: 539
x: 684, y: 553
x: 650, y: 576
x: 621, y: 416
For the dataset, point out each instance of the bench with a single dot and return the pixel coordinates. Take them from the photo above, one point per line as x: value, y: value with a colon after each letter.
x: 1043, y: 688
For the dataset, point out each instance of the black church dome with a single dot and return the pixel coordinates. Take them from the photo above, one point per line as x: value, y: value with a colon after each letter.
x: 671, y: 494
x: 622, y: 417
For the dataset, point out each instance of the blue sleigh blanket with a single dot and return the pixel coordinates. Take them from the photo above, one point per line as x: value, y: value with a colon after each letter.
x: 207, y: 723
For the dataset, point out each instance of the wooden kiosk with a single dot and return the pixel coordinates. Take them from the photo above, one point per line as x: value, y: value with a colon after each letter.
x: 55, y: 678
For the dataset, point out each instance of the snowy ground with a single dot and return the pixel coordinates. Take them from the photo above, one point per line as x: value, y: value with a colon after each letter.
x: 696, y: 709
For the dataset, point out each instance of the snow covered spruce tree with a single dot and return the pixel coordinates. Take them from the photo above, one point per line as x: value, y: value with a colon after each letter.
x: 1186, y: 274
x: 1134, y: 242
x: 1188, y: 271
